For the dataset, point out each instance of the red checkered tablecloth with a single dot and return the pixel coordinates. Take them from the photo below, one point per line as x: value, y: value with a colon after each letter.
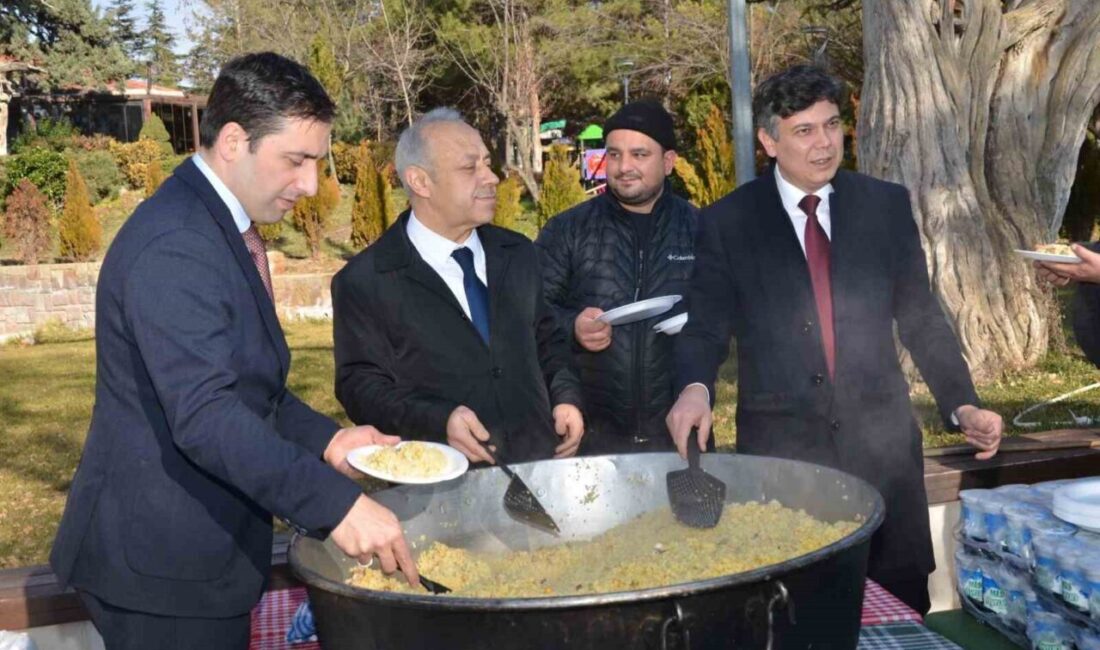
x: 272, y: 615
x: 880, y: 607
x: 271, y: 619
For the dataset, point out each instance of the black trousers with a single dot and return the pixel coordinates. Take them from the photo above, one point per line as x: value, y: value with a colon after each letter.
x: 126, y: 629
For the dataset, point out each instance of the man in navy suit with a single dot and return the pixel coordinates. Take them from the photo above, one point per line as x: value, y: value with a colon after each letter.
x: 195, y: 440
x: 810, y: 268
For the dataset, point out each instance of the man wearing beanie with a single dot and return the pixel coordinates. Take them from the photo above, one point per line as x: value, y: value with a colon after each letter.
x: 629, y: 244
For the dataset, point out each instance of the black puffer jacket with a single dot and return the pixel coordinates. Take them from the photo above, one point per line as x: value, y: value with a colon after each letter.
x: 591, y: 257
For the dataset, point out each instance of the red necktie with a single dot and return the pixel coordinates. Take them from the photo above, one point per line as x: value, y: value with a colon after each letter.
x: 258, y: 251
x: 817, y: 258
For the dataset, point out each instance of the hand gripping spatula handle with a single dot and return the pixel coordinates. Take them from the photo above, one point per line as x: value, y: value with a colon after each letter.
x: 696, y: 498
x: 521, y: 502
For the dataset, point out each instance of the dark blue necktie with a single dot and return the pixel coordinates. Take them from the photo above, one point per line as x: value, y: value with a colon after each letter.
x: 476, y: 293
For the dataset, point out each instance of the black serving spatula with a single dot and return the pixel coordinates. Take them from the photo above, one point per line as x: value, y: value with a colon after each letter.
x: 433, y: 586
x: 430, y: 585
x: 696, y: 498
x: 521, y: 502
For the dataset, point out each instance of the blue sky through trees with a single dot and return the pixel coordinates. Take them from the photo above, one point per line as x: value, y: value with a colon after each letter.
x: 174, y: 10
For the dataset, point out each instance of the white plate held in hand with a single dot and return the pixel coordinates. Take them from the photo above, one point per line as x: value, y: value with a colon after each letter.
x: 455, y: 467
x: 672, y: 326
x: 1049, y: 257
x: 640, y: 310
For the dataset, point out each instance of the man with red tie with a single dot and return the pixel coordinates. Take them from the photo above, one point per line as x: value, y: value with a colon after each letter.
x: 810, y: 267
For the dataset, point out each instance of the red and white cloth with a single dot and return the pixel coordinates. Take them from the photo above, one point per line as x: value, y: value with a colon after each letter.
x: 881, y: 606
x: 271, y: 619
x: 272, y: 615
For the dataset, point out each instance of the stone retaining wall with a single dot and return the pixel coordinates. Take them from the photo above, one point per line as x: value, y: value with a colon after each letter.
x: 34, y: 296
x: 31, y: 296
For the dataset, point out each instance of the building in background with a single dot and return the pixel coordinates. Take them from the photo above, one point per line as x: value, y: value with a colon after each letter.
x: 117, y: 112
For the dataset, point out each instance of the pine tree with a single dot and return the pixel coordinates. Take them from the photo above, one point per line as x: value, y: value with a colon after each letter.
x: 713, y: 175
x: 269, y: 232
x: 696, y: 190
x: 385, y: 193
x: 154, y: 130
x: 123, y: 25
x: 368, y: 214
x: 78, y: 231
x: 322, y: 63
x: 160, y: 59
x: 27, y: 221
x: 561, y: 185
x: 311, y: 214
x: 715, y: 156
x: 154, y: 176
x: 508, y: 208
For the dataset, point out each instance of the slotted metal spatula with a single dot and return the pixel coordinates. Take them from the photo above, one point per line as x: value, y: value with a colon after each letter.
x: 696, y: 498
x: 521, y: 502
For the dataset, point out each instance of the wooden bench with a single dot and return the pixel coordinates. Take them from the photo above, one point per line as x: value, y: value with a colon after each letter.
x: 30, y: 597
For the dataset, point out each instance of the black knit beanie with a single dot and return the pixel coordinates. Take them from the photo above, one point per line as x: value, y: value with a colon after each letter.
x: 645, y: 116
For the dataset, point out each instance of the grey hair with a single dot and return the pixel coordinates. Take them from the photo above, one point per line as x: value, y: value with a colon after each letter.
x: 412, y: 147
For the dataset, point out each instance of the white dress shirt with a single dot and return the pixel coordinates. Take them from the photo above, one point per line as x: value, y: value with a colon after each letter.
x: 791, y: 195
x: 235, y: 208
x: 436, y: 251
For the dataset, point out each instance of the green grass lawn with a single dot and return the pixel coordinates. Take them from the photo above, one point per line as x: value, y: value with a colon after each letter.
x: 47, y: 393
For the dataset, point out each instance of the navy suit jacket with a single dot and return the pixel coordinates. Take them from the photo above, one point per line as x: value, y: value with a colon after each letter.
x: 751, y: 282
x: 195, y: 439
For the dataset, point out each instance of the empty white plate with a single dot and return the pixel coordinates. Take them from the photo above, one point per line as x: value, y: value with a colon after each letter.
x: 672, y: 326
x: 640, y: 310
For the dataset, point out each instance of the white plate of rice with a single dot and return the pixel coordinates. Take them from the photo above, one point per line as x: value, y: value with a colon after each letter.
x: 1057, y: 253
x: 412, y: 461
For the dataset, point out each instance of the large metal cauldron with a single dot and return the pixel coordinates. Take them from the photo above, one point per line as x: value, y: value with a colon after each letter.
x: 810, y: 601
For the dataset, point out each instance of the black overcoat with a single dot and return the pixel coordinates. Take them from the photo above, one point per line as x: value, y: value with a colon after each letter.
x: 407, y: 355
x: 752, y: 283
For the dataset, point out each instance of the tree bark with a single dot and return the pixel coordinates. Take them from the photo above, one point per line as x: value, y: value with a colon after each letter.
x: 4, y: 99
x: 979, y: 107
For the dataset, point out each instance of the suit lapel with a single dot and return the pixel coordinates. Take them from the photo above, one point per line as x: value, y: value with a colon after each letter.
x: 786, y: 262
x: 191, y: 175
x: 397, y: 251
x: 424, y: 275
x: 498, y: 255
x: 842, y: 255
x: 785, y: 256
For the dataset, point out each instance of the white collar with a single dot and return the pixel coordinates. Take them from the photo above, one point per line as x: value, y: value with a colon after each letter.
x: 240, y: 217
x: 435, y: 248
x: 791, y: 195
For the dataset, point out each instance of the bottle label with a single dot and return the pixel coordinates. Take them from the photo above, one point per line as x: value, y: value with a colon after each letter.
x: 995, y: 600
x: 973, y: 588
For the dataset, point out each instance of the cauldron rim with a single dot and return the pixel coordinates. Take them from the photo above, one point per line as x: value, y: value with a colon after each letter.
x: 761, y: 575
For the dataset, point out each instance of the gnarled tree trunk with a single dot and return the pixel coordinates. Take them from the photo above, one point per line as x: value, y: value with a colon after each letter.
x: 979, y: 107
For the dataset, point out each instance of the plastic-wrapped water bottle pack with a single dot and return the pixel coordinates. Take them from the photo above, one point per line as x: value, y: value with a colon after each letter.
x: 1027, y: 573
